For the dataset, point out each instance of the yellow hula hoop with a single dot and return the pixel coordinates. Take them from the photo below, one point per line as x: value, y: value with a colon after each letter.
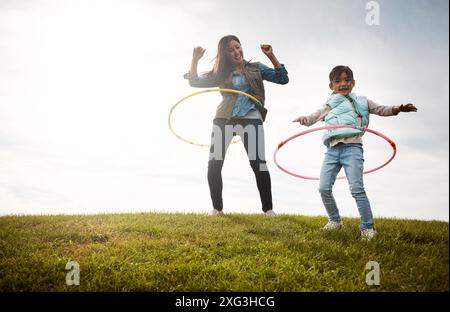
x: 200, y: 92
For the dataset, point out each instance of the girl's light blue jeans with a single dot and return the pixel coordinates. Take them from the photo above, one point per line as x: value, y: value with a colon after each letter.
x: 349, y: 156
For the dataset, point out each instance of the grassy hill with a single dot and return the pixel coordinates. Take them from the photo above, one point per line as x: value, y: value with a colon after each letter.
x: 187, y: 252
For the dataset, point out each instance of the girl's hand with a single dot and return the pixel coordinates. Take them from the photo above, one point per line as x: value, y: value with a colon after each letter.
x: 267, y: 49
x: 302, y: 120
x: 407, y: 108
x: 198, y: 53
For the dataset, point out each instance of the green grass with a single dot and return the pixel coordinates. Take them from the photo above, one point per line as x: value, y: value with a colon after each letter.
x: 187, y: 252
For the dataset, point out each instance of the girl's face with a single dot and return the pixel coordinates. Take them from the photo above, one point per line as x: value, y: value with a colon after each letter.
x: 235, y: 53
x: 342, y: 84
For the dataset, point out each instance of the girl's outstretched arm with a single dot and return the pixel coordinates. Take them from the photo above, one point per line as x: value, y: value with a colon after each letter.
x: 302, y: 120
x: 386, y: 110
x: 404, y: 108
x: 314, y: 117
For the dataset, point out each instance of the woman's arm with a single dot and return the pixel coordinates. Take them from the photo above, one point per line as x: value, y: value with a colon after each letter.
x: 278, y: 74
x: 204, y: 81
x: 197, y: 54
x: 268, y: 51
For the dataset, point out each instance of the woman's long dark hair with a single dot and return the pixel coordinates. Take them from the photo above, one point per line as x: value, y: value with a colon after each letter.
x: 223, y: 65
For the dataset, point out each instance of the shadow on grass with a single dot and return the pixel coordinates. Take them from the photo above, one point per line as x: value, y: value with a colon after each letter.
x: 289, y: 229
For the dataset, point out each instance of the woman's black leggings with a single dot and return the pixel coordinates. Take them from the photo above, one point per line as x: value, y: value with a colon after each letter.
x: 251, y: 132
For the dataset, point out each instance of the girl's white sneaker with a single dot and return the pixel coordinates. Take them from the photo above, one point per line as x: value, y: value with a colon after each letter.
x: 332, y: 225
x: 368, y: 234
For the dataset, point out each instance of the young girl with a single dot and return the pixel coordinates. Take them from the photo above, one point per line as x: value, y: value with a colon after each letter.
x: 344, y: 146
x: 231, y: 71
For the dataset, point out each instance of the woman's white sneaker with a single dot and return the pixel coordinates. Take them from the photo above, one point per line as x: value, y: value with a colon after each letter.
x: 216, y: 212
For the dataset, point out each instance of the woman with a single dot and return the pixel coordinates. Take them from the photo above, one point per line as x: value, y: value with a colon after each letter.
x: 237, y: 114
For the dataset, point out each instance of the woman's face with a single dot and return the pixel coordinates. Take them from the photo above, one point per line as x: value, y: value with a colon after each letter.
x: 235, y: 53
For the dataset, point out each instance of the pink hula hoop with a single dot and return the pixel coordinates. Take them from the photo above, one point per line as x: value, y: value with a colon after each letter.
x: 281, y: 144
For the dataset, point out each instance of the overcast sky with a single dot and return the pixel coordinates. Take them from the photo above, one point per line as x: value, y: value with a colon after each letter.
x: 86, y: 87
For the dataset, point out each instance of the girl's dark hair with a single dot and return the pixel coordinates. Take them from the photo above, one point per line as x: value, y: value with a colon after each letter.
x: 338, y: 70
x: 223, y: 65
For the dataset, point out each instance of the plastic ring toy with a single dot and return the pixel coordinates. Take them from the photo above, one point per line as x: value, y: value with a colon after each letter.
x: 200, y: 92
x: 280, y: 145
